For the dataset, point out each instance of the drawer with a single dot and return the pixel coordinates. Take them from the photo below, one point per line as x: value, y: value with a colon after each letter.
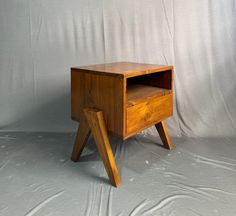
x: 146, y: 113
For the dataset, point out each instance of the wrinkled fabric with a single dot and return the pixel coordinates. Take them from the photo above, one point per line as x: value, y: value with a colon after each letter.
x: 37, y: 177
x: 41, y: 40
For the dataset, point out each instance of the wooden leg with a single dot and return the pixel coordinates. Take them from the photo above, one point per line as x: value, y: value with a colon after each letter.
x: 161, y: 128
x: 81, y: 139
x: 96, y: 122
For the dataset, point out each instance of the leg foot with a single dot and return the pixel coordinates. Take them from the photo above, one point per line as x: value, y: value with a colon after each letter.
x: 96, y: 122
x: 81, y: 139
x: 161, y: 128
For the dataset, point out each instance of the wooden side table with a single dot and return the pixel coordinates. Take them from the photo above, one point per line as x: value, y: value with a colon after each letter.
x: 121, y: 98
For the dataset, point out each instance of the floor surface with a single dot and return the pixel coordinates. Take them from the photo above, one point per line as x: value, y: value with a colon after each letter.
x: 198, y: 177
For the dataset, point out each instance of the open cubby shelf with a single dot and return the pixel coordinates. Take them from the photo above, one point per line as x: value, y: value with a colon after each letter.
x: 137, y: 93
x: 146, y: 87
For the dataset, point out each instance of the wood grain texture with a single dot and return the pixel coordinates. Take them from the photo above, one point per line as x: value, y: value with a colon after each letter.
x: 121, y: 98
x: 123, y: 69
x: 137, y: 93
x: 102, y: 92
x: 81, y: 139
x: 97, y: 124
x: 161, y: 128
x: 147, y: 113
x: 115, y: 95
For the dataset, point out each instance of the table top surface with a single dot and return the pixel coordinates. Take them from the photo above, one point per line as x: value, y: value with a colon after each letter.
x: 123, y: 69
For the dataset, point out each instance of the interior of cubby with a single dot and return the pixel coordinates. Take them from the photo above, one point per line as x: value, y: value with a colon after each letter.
x: 141, y: 88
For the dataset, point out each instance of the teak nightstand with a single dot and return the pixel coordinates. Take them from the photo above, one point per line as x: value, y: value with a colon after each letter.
x: 121, y: 98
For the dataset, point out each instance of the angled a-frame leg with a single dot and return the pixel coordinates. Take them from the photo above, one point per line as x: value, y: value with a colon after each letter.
x: 96, y: 122
x: 161, y: 128
x: 81, y: 139
x: 93, y: 120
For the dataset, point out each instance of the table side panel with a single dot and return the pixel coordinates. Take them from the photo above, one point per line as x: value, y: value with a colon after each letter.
x: 89, y: 90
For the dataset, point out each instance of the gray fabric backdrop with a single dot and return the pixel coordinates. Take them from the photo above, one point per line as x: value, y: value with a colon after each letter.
x: 41, y: 40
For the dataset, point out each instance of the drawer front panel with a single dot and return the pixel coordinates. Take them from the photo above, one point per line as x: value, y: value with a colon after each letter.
x: 145, y: 114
